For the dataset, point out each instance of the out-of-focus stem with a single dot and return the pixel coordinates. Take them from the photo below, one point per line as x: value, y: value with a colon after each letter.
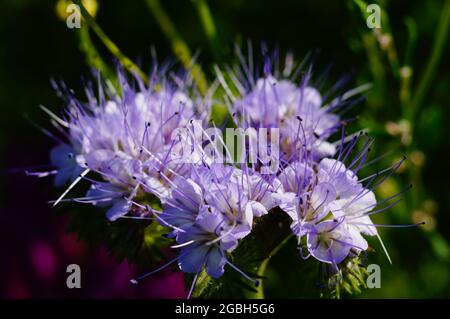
x: 208, y: 26
x: 411, y: 28
x: 109, y: 44
x: 406, y: 71
x: 439, y: 42
x: 92, y: 55
x: 179, y: 47
x: 377, y: 70
x: 387, y: 42
x: 259, y: 294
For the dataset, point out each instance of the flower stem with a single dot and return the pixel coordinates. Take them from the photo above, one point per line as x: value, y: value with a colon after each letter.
x: 179, y: 47
x: 109, y: 44
x: 92, y: 55
x: 439, y: 42
x: 208, y: 25
x: 259, y: 294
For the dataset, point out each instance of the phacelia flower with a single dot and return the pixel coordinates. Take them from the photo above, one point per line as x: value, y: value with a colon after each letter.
x: 142, y: 149
x: 126, y: 138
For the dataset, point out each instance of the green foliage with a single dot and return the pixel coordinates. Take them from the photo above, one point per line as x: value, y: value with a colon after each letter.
x: 350, y: 280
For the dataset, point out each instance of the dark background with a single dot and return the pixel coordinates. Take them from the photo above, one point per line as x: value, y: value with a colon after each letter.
x: 35, y: 45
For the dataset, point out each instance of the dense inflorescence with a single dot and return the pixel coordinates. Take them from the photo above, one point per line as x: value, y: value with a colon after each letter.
x: 142, y: 149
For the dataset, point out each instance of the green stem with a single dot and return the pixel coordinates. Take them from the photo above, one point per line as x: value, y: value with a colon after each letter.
x: 391, y: 51
x: 109, y: 44
x: 259, y: 294
x: 406, y: 73
x: 439, y: 42
x: 208, y: 26
x: 92, y: 55
x: 377, y: 70
x: 179, y: 47
x: 411, y: 29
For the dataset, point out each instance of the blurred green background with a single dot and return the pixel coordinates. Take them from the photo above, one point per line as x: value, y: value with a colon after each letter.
x: 407, y: 61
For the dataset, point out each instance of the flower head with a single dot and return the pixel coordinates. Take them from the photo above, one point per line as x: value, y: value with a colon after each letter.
x: 126, y: 137
x: 144, y: 149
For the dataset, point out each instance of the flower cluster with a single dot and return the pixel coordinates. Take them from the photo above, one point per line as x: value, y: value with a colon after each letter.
x: 126, y: 143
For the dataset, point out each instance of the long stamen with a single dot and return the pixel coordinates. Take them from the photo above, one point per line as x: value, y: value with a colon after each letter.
x: 75, y: 182
x: 41, y: 174
x: 55, y: 117
x: 183, y: 244
x: 254, y: 281
x: 384, y: 248
x: 191, y: 290
x: 391, y: 226
x: 135, y: 281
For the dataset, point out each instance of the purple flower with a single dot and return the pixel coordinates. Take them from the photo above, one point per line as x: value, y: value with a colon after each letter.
x: 126, y: 138
x: 63, y: 157
x: 277, y: 99
x: 329, y: 241
x: 147, y: 147
x: 296, y: 110
x: 106, y: 194
x: 182, y: 206
x: 329, y: 205
x: 206, y: 242
x: 211, y: 211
